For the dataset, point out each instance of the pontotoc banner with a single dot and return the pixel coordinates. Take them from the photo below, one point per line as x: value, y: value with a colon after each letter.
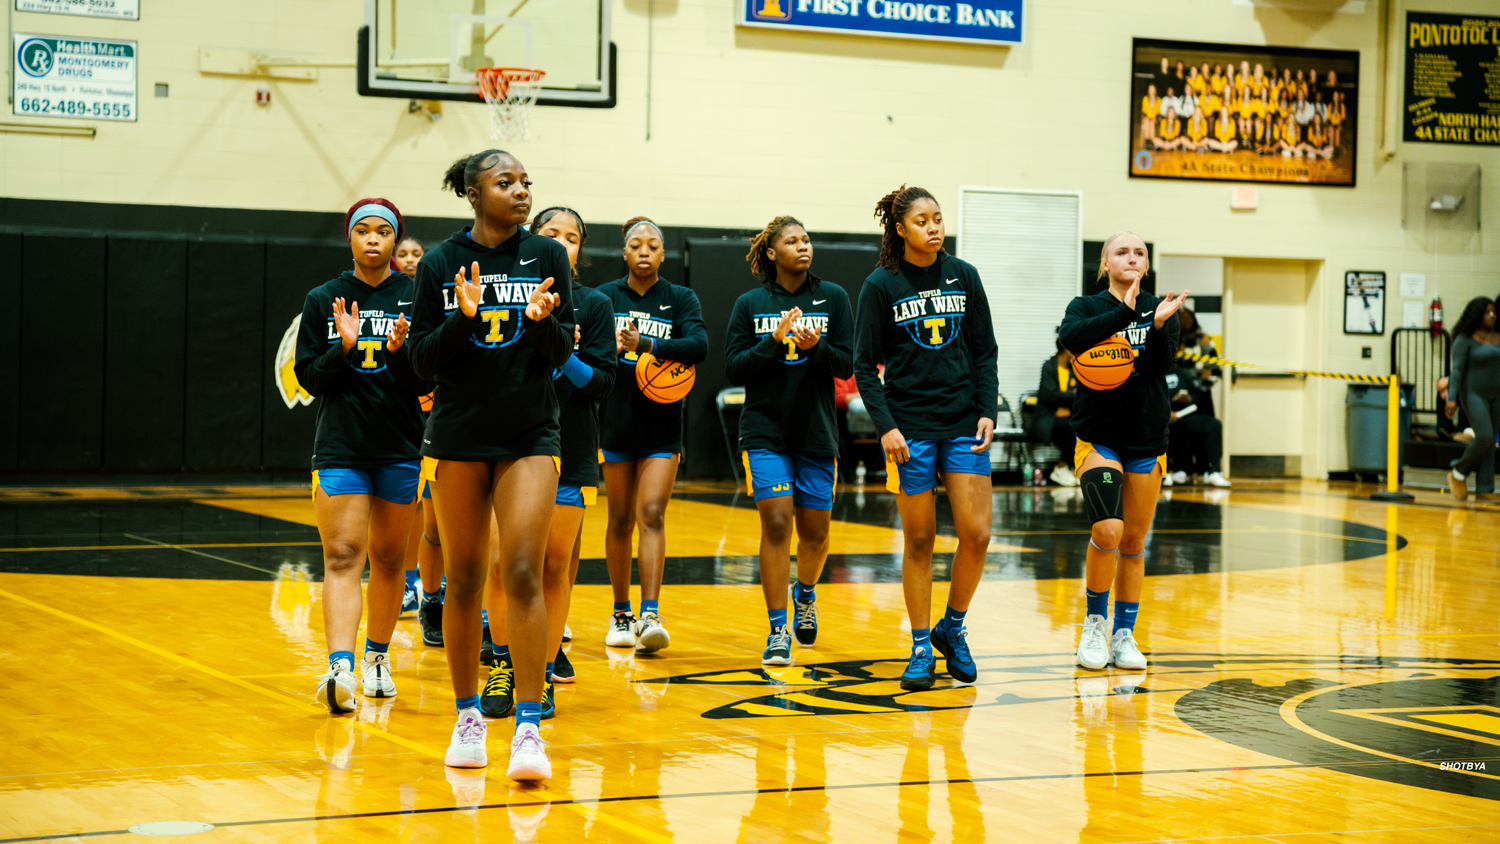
x: 1452, y: 79
x: 979, y: 21
x: 1234, y: 113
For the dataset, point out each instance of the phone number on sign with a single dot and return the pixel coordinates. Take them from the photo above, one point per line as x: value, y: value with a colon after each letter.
x: 74, y: 108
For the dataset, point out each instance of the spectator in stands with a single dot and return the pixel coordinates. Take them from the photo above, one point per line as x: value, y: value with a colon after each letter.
x: 1050, y: 421
x: 1196, y: 438
x: 1196, y: 342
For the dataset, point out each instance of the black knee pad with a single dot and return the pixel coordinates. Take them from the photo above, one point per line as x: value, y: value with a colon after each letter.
x: 1103, y: 493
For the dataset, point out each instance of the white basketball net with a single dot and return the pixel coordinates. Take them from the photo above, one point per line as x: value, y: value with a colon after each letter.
x: 510, y: 93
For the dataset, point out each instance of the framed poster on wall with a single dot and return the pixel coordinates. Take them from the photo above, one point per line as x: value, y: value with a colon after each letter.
x: 1452, y: 80
x: 1239, y: 113
x: 1364, y: 302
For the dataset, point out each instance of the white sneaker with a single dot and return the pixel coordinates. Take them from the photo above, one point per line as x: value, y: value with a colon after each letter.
x: 1216, y: 479
x: 621, y: 631
x: 376, y: 674
x: 1062, y: 477
x: 528, y: 755
x: 1166, y: 480
x: 1124, y: 653
x: 649, y: 633
x: 1093, y: 644
x: 1180, y: 478
x: 567, y: 633
x: 466, y: 749
x: 336, y: 688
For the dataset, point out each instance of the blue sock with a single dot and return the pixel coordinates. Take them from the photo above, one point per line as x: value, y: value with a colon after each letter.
x: 529, y: 713
x: 501, y: 652
x: 430, y: 597
x: 922, y: 639
x: 1125, y: 614
x: 953, y: 619
x: 803, y: 592
x: 623, y: 606
x: 471, y: 702
x: 411, y: 578
x: 484, y: 617
x: 648, y: 606
x: 338, y: 655
x: 778, y: 618
x: 1098, y: 602
x: 373, y: 647
x: 549, y: 669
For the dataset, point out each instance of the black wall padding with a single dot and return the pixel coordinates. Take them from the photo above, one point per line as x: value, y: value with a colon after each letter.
x: 720, y: 275
x: 225, y: 355
x: 62, y: 352
x: 292, y: 270
x: 145, y: 360
x: 10, y: 349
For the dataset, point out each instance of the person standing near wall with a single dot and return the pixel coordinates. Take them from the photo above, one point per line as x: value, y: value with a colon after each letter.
x: 1474, y: 384
x: 369, y: 427
x: 641, y: 438
x: 924, y: 314
x: 787, y: 341
x: 1051, y: 422
x: 1122, y: 443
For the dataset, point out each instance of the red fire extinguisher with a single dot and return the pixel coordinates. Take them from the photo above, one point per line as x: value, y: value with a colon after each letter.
x: 1435, y: 315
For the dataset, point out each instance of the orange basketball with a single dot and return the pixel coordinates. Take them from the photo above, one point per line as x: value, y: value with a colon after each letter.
x: 1106, y: 366
x: 663, y: 381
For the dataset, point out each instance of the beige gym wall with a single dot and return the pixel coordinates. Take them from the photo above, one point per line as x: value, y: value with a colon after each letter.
x: 747, y: 124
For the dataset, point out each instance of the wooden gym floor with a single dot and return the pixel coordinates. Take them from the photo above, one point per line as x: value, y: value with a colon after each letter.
x: 1323, y: 668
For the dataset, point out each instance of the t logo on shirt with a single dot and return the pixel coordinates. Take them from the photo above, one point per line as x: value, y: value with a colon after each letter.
x: 656, y: 325
x: 766, y: 325
x: 932, y: 318
x: 502, y: 304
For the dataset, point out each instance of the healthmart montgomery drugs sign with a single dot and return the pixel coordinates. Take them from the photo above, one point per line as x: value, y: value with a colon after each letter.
x: 997, y: 22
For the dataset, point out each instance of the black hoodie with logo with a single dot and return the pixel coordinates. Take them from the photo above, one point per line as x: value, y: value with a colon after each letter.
x: 494, y: 399
x: 1133, y: 416
x: 789, y: 391
x: 369, y: 415
x: 931, y: 328
x: 580, y: 405
x: 670, y: 316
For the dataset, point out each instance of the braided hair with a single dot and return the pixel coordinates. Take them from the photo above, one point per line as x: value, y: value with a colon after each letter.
x: 762, y: 266
x: 546, y: 214
x: 890, y: 211
x: 464, y: 173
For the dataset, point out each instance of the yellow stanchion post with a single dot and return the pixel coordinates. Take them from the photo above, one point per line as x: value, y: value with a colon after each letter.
x: 1391, y: 540
x: 1392, y: 491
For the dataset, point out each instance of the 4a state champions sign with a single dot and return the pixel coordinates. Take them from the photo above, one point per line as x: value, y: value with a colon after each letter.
x: 975, y: 21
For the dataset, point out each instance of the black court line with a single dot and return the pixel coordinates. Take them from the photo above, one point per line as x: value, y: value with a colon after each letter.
x: 634, y: 798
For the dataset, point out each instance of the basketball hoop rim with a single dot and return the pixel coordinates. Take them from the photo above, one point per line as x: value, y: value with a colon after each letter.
x: 488, y: 77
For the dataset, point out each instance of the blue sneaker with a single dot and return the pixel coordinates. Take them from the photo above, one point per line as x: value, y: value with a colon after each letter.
x: 410, y: 601
x: 805, y: 618
x: 920, y: 672
x: 954, y: 646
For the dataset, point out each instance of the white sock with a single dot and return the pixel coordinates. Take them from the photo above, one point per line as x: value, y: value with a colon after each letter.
x: 1458, y: 476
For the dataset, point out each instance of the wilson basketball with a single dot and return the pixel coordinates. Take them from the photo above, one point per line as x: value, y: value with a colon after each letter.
x: 663, y: 381
x: 1106, y: 366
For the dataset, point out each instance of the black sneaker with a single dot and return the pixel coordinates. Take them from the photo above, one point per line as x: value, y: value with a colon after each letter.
x: 430, y: 614
x: 562, y: 668
x: 487, y: 648
x: 805, y: 618
x: 778, y: 647
x: 499, y: 696
x: 549, y: 700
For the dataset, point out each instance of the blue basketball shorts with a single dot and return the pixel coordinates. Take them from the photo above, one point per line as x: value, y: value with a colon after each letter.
x: 576, y: 496
x: 808, y: 480
x: 395, y: 482
x: 1140, y: 464
x: 632, y: 456
x: 930, y: 458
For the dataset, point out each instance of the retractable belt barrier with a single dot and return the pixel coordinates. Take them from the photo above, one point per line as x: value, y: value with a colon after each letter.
x: 1342, y: 376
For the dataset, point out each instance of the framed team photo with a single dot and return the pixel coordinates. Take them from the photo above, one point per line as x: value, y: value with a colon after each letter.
x: 1239, y: 113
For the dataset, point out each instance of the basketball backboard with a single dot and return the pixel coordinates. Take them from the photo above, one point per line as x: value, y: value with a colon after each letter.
x: 429, y: 49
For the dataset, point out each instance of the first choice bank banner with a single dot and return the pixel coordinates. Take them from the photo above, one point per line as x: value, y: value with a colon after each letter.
x: 975, y: 21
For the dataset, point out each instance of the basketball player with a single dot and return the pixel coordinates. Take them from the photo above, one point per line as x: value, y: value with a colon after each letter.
x: 1223, y: 139
x: 787, y: 341
x: 493, y: 318
x: 365, y: 465
x: 642, y: 439
x: 408, y: 255
x: 1122, y: 443
x: 1150, y: 110
x: 580, y: 384
x: 923, y: 313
